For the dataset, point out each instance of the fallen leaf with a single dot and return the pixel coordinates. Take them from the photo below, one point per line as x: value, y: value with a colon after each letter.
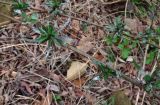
x: 85, y: 44
x: 76, y: 70
x: 79, y: 82
x: 99, y: 56
x: 134, y: 25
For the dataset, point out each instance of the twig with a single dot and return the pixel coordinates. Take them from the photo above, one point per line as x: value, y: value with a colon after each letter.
x: 101, y: 26
x: 126, y: 6
x: 143, y: 68
x: 153, y: 70
x: 110, y: 3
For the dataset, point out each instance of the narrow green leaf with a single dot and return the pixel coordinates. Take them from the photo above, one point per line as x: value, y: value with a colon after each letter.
x: 42, y: 39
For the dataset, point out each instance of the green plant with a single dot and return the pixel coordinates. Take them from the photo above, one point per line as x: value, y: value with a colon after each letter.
x: 145, y: 8
x: 110, y: 101
x: 117, y: 26
x: 20, y: 5
x: 151, y: 83
x: 54, y: 4
x: 48, y: 34
x: 57, y: 98
x: 151, y: 56
x: 117, y: 38
x: 84, y: 26
x: 29, y: 19
x: 106, y: 71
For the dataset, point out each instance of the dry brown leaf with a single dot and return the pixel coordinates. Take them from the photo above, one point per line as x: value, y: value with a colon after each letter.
x: 85, y: 44
x: 133, y: 25
x: 79, y: 82
x: 99, y: 56
x: 76, y: 70
x: 76, y: 25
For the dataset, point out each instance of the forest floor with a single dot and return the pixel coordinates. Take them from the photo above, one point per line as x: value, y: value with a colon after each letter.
x: 80, y: 52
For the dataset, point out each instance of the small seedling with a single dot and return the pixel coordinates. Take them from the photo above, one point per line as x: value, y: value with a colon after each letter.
x: 151, y: 83
x: 20, y: 5
x: 117, y: 26
x: 48, y: 34
x: 106, y: 71
x: 54, y: 4
x: 118, y: 39
x: 57, y: 98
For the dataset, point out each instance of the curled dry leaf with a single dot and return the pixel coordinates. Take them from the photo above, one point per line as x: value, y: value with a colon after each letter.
x: 76, y: 70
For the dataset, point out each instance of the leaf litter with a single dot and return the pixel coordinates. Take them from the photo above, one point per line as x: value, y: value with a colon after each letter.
x: 62, y: 76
